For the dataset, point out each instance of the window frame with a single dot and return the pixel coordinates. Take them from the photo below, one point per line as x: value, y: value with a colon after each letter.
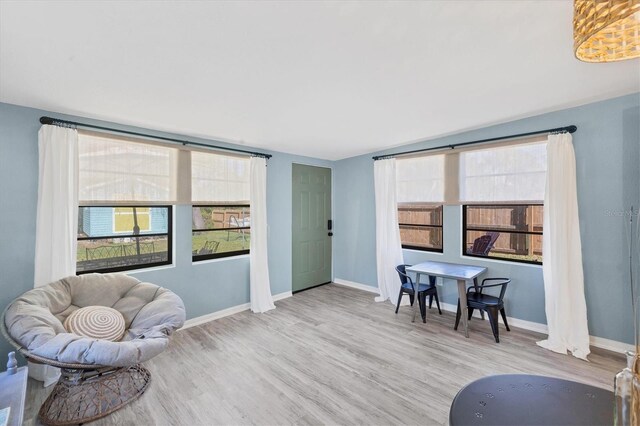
x: 168, y: 234
x: 421, y: 248
x: 199, y: 258
x: 500, y: 258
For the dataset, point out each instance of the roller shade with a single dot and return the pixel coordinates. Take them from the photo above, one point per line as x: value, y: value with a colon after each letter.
x: 115, y: 170
x: 218, y: 178
x: 421, y: 179
x: 514, y: 173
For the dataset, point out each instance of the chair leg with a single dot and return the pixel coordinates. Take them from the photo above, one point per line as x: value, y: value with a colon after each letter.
x: 475, y: 286
x: 504, y: 318
x: 423, y: 307
x: 399, y: 300
x: 493, y: 319
x: 430, y: 300
x: 411, y: 299
x: 438, y: 303
x: 458, y: 315
x: 470, y: 312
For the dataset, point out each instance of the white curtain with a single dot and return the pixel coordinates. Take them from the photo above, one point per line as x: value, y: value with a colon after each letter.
x: 565, y: 303
x: 260, y: 288
x: 56, y: 218
x: 57, y: 214
x: 388, y: 245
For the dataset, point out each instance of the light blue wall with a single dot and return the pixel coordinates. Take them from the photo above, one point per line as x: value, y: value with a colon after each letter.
x: 608, y: 178
x: 205, y: 287
x: 607, y: 154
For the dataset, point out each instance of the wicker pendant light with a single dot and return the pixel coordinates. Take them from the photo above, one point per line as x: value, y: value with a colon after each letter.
x: 606, y: 30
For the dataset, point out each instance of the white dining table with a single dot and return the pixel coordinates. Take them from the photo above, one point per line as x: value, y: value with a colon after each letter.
x: 454, y: 271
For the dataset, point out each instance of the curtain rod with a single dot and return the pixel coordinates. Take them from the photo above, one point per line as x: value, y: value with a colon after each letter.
x: 570, y: 129
x: 56, y: 121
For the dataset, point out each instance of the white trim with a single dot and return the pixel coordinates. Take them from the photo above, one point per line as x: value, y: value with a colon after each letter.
x: 228, y: 311
x: 610, y: 345
x: 355, y: 285
x: 149, y: 269
x: 424, y: 251
x: 516, y: 322
x: 595, y: 341
x: 219, y: 259
x: 497, y: 260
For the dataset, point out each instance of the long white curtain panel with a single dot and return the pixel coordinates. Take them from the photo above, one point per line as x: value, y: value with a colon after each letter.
x: 388, y: 245
x: 57, y: 214
x: 260, y: 288
x: 565, y: 303
x: 56, y: 217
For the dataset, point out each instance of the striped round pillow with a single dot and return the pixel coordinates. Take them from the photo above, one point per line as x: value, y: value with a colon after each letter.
x: 96, y: 322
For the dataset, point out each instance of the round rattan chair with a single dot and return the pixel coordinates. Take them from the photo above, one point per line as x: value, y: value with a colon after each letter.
x: 97, y: 376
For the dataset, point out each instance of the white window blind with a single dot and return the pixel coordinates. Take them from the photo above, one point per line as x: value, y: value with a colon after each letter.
x: 219, y: 178
x: 420, y: 179
x: 514, y: 173
x: 119, y: 171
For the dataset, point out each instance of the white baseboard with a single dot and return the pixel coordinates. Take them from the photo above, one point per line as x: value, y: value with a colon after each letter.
x: 516, y: 322
x: 226, y: 312
x: 610, y: 345
x: 358, y: 286
x: 598, y: 342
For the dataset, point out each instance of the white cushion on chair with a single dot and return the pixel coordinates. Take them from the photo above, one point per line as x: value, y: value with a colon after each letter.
x: 150, y: 313
x: 96, y: 322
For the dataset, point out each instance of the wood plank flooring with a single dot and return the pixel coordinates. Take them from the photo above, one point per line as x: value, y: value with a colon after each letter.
x: 331, y: 355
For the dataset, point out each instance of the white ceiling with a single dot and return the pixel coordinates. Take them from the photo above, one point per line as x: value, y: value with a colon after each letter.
x: 323, y: 79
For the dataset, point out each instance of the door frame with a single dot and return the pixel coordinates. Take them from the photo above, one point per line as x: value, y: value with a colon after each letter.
x: 303, y: 163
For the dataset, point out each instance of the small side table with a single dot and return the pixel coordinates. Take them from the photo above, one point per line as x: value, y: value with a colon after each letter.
x: 522, y: 399
x: 13, y: 390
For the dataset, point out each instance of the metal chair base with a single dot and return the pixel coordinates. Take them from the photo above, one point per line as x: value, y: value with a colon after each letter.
x: 82, y: 396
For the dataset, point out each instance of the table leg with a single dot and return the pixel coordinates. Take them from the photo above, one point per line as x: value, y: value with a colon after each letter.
x: 416, y: 303
x: 462, y: 295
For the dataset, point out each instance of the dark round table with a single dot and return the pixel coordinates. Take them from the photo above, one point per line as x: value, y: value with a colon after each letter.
x: 522, y: 399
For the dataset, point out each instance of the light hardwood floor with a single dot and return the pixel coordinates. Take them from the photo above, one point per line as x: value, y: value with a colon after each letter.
x: 331, y: 355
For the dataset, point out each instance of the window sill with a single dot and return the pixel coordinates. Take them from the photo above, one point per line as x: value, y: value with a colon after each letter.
x: 439, y: 253
x: 150, y: 269
x: 507, y: 262
x: 221, y: 259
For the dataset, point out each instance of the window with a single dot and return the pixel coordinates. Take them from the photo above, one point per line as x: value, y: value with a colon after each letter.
x: 420, y: 226
x: 221, y: 221
x: 220, y: 231
x: 508, y: 232
x: 420, y: 194
x: 125, y: 190
x: 502, y: 189
x: 114, y: 238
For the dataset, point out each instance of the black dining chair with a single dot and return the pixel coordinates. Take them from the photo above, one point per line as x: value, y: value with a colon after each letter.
x: 408, y: 287
x: 476, y: 299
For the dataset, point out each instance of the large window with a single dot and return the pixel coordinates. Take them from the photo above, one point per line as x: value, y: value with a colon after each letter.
x: 508, y: 232
x: 502, y: 189
x: 126, y: 188
x: 420, y: 226
x: 221, y: 221
x: 220, y: 231
x: 420, y: 193
x: 122, y: 238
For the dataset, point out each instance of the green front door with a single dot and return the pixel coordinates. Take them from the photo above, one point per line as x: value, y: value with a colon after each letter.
x: 311, y: 214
